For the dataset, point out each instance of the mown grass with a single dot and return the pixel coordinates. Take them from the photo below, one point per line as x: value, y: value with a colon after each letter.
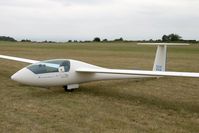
x: 156, y: 105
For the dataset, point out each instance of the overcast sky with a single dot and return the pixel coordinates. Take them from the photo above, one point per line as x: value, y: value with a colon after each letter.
x: 60, y: 20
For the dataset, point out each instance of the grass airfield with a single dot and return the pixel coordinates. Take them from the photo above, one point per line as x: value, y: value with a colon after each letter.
x: 162, y: 105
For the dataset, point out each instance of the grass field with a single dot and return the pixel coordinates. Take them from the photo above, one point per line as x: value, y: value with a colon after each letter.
x: 165, y: 105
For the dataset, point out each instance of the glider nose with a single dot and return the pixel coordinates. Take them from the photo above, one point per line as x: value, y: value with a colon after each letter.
x: 23, y: 76
x: 14, y: 77
x: 17, y: 76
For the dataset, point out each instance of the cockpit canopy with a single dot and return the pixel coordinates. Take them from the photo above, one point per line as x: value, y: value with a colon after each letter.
x: 50, y: 66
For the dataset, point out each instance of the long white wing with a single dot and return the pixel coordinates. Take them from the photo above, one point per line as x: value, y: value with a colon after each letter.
x: 18, y: 59
x: 138, y: 72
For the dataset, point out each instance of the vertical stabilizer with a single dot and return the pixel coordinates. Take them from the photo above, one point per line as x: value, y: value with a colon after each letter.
x: 161, y: 54
x: 160, y: 58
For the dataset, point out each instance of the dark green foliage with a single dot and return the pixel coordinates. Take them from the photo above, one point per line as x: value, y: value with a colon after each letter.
x: 105, y: 40
x: 26, y: 40
x: 190, y: 41
x: 46, y: 41
x: 175, y: 37
x: 171, y: 38
x: 165, y: 38
x: 96, y: 39
x: 119, y: 40
x: 5, y: 38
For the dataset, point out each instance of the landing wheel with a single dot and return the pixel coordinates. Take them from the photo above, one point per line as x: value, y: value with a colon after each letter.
x: 68, y: 90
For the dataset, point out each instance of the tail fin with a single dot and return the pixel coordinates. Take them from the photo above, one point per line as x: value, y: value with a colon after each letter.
x: 160, y: 58
x: 161, y: 54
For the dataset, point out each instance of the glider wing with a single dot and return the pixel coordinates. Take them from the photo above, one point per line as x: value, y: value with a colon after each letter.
x: 139, y: 72
x: 18, y: 59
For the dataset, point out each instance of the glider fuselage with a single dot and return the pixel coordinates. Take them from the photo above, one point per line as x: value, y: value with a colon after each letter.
x: 40, y: 74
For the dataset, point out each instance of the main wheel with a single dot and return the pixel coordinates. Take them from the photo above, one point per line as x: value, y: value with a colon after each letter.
x: 68, y: 90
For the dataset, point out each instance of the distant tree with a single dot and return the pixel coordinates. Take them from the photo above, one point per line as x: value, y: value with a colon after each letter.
x: 151, y: 40
x: 171, y: 38
x: 190, y: 41
x: 87, y: 41
x: 5, y: 38
x: 165, y: 38
x: 119, y: 40
x: 96, y: 39
x: 159, y: 40
x: 174, y: 37
x: 105, y: 40
x: 51, y: 42
x: 26, y: 40
x: 69, y: 40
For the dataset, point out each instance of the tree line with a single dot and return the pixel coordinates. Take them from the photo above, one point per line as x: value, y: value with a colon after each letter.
x: 171, y: 38
x: 7, y: 38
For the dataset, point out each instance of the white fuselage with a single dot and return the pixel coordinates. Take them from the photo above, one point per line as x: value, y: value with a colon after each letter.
x: 25, y: 76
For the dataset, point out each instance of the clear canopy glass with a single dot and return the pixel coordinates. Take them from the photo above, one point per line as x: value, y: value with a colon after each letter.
x: 50, y: 66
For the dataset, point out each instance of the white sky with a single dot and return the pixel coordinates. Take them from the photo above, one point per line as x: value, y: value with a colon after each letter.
x: 60, y: 20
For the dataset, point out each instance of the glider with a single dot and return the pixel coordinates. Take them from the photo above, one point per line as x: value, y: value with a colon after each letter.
x: 70, y: 73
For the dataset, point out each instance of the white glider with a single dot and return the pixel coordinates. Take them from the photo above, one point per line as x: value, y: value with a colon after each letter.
x: 70, y: 73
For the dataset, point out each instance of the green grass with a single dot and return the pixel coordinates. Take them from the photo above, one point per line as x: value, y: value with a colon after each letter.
x: 162, y: 105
